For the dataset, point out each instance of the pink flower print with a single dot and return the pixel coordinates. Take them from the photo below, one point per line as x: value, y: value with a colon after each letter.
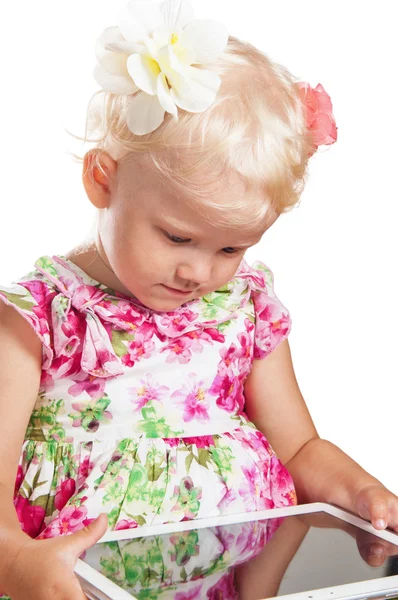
x: 172, y: 324
x: 250, y: 488
x: 85, y: 469
x: 200, y: 441
x: 141, y: 347
x: 172, y: 442
x: 228, y: 389
x: 122, y: 314
x: 226, y: 538
x: 69, y: 520
x: 229, y: 497
x: 93, y: 386
x: 126, y: 524
x: 193, y: 594
x: 247, y: 540
x: 30, y: 517
x: 193, y: 398
x: 249, y: 325
x: 40, y: 291
x: 64, y: 493
x: 179, y: 350
x: 230, y: 357
x: 255, y: 440
x: 215, y: 334
x: 282, y: 486
x: 224, y: 588
x: 246, y: 347
x: 149, y: 390
x: 272, y: 324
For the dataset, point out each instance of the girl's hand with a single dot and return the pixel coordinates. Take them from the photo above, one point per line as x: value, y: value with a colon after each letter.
x: 43, y: 569
x: 378, y: 505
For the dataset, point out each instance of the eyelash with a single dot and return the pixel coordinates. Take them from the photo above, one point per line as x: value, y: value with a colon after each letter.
x: 178, y: 240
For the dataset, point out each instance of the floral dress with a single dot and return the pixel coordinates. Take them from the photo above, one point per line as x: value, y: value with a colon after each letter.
x: 140, y: 413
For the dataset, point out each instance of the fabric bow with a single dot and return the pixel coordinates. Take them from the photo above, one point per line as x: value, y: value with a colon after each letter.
x: 105, y: 311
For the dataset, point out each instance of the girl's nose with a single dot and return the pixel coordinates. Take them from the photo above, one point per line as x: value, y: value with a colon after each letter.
x: 198, y: 272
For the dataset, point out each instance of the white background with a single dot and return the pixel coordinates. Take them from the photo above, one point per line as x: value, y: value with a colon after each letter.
x: 333, y: 257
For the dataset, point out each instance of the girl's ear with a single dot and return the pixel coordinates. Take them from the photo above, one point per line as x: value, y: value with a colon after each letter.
x: 99, y: 170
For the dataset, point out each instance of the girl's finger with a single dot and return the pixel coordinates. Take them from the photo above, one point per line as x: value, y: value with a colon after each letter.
x: 378, y: 510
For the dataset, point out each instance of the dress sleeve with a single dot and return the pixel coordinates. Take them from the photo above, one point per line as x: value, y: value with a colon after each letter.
x: 29, y: 300
x: 272, y: 319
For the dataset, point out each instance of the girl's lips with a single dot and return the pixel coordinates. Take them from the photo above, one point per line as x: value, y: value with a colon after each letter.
x: 175, y: 291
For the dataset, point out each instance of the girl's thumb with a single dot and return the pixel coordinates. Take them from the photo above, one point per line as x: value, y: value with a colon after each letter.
x: 89, y: 535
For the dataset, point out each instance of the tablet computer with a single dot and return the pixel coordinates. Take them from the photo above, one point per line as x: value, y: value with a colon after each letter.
x: 308, y: 552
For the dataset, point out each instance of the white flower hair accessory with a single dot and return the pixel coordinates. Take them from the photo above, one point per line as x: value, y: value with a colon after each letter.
x: 152, y: 51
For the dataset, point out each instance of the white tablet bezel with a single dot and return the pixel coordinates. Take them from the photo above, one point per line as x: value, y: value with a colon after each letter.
x: 104, y: 589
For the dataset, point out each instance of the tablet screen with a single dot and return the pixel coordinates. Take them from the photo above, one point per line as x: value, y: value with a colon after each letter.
x: 252, y: 560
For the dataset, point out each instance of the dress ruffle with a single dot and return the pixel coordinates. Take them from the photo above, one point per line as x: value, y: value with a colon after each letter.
x: 68, y: 291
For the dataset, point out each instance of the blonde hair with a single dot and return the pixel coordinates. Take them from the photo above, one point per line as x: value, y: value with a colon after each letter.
x: 255, y: 127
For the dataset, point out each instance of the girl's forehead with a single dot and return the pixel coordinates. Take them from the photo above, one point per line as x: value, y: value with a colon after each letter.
x: 161, y: 198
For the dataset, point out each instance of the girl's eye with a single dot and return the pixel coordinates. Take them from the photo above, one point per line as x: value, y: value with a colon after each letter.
x: 176, y: 239
x: 180, y: 240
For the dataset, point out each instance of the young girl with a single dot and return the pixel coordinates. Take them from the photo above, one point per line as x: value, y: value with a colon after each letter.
x: 147, y: 375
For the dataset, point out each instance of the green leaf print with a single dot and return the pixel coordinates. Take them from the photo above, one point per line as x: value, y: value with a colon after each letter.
x: 155, y: 427
x: 113, y: 516
x: 134, y: 568
x: 47, y: 265
x: 154, y: 472
x: 41, y: 501
x: 111, y: 569
x: 114, y: 492
x: 188, y: 461
x: 119, y: 342
x: 26, y: 490
x: 151, y: 594
x: 138, y: 519
x: 43, y: 422
x: 223, y: 458
x: 222, y: 327
x: 185, y: 546
x: 187, y: 498
x: 20, y: 301
x: 204, y: 457
x: 93, y: 413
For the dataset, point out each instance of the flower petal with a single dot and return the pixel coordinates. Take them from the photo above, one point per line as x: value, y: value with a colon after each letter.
x: 162, y: 36
x: 108, y: 36
x: 126, y: 47
x: 170, y: 64
x: 197, y: 91
x: 164, y: 96
x: 207, y: 39
x: 116, y: 84
x: 138, y: 19
x: 145, y: 114
x: 176, y: 13
x: 115, y: 64
x: 144, y: 71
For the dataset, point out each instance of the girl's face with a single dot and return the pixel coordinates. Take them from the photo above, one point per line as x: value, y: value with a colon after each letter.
x: 154, y: 241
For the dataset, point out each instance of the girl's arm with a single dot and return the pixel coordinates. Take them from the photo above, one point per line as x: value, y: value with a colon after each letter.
x: 321, y: 471
x: 20, y: 369
x: 23, y: 561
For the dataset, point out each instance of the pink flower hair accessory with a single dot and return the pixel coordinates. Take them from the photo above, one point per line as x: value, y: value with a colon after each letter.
x: 319, y: 114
